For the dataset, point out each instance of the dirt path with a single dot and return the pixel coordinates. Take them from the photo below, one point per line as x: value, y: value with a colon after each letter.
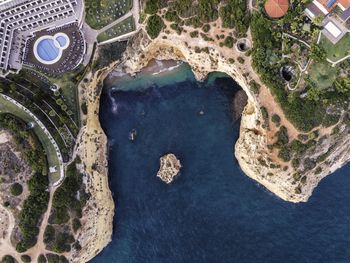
x: 6, y: 247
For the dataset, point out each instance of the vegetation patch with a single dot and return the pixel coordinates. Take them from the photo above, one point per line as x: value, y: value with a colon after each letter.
x: 336, y: 51
x: 154, y: 26
x: 100, y: 13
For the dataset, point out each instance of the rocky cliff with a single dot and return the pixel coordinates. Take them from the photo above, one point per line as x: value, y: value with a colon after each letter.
x: 294, y: 184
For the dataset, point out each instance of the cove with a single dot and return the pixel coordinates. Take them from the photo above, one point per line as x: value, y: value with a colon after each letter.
x: 212, y: 212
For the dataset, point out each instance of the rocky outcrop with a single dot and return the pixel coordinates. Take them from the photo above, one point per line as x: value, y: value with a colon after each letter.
x: 169, y: 168
x: 97, y: 220
x: 238, y: 104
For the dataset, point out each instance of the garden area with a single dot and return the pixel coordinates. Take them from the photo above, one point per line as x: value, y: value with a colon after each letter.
x: 122, y: 28
x: 336, y: 51
x: 100, y: 13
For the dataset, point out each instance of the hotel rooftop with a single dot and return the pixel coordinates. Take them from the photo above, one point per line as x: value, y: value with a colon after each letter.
x: 333, y: 26
x: 21, y: 19
x: 324, y: 7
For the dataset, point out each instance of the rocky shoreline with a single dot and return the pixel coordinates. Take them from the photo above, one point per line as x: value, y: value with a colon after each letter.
x: 251, y: 149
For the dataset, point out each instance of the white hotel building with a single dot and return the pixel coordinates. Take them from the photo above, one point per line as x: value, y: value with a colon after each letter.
x: 21, y: 19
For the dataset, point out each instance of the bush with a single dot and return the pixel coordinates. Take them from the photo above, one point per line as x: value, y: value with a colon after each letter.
x: 235, y: 15
x: 276, y: 119
x: 152, y: 6
x: 62, y: 243
x: 76, y: 224
x: 8, y: 259
x: 282, y: 137
x: 42, y: 259
x: 284, y: 154
x: 207, y: 10
x: 26, y: 258
x: 154, y: 26
x: 49, y: 234
x: 206, y: 28
x: 33, y: 208
x: 84, y: 108
x: 229, y: 42
x: 255, y: 87
x: 194, y: 34
x: 16, y: 189
x: 65, y: 199
x: 172, y: 16
x: 240, y: 60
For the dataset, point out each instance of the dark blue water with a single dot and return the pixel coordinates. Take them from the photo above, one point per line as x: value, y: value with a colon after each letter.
x: 212, y: 213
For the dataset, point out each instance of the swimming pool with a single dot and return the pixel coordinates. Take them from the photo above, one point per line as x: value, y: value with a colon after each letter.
x: 48, y: 49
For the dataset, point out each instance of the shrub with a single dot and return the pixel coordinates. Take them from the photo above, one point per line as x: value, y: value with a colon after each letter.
x: 76, y: 224
x: 240, y: 60
x: 229, y: 42
x: 84, y: 108
x: 49, y: 234
x: 26, y: 258
x: 154, y: 26
x: 62, y: 243
x: 282, y: 137
x: 16, y: 189
x: 33, y: 208
x: 172, y: 16
x: 152, y: 6
x: 235, y: 15
x: 194, y: 34
x: 276, y: 119
x: 284, y: 154
x: 42, y: 259
x: 8, y: 259
x: 206, y: 28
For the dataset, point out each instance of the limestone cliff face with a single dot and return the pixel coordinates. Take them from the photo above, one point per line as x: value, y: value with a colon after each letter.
x: 251, y: 150
x: 97, y: 220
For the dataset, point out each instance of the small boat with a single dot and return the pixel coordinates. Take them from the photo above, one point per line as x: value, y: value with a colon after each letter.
x: 132, y: 135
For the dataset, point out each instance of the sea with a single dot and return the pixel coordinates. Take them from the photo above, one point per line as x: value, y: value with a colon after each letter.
x: 211, y: 212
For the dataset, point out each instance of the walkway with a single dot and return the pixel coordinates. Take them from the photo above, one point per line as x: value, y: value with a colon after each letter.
x: 135, y: 12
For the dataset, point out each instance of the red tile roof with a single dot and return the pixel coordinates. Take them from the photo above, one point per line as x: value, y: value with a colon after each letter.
x: 276, y: 8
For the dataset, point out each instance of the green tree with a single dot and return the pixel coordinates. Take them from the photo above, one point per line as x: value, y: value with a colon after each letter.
x: 16, y: 189
x: 318, y: 53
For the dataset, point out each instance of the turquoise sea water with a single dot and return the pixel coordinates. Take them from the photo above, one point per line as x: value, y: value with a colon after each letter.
x: 211, y: 213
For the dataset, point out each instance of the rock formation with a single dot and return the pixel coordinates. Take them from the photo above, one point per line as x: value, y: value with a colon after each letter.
x: 169, y: 167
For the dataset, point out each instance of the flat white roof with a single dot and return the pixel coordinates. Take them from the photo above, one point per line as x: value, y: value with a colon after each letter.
x: 321, y: 7
x: 333, y: 29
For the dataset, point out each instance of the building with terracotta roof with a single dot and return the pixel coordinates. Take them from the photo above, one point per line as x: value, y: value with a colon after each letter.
x: 276, y: 8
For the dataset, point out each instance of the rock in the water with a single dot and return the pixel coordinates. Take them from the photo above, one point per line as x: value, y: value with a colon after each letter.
x: 169, y: 168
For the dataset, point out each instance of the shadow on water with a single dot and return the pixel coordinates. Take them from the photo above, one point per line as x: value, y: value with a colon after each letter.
x: 211, y: 212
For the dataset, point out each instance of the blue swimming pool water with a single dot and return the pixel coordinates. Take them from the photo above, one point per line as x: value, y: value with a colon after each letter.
x: 61, y: 40
x: 212, y: 213
x: 47, y: 50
